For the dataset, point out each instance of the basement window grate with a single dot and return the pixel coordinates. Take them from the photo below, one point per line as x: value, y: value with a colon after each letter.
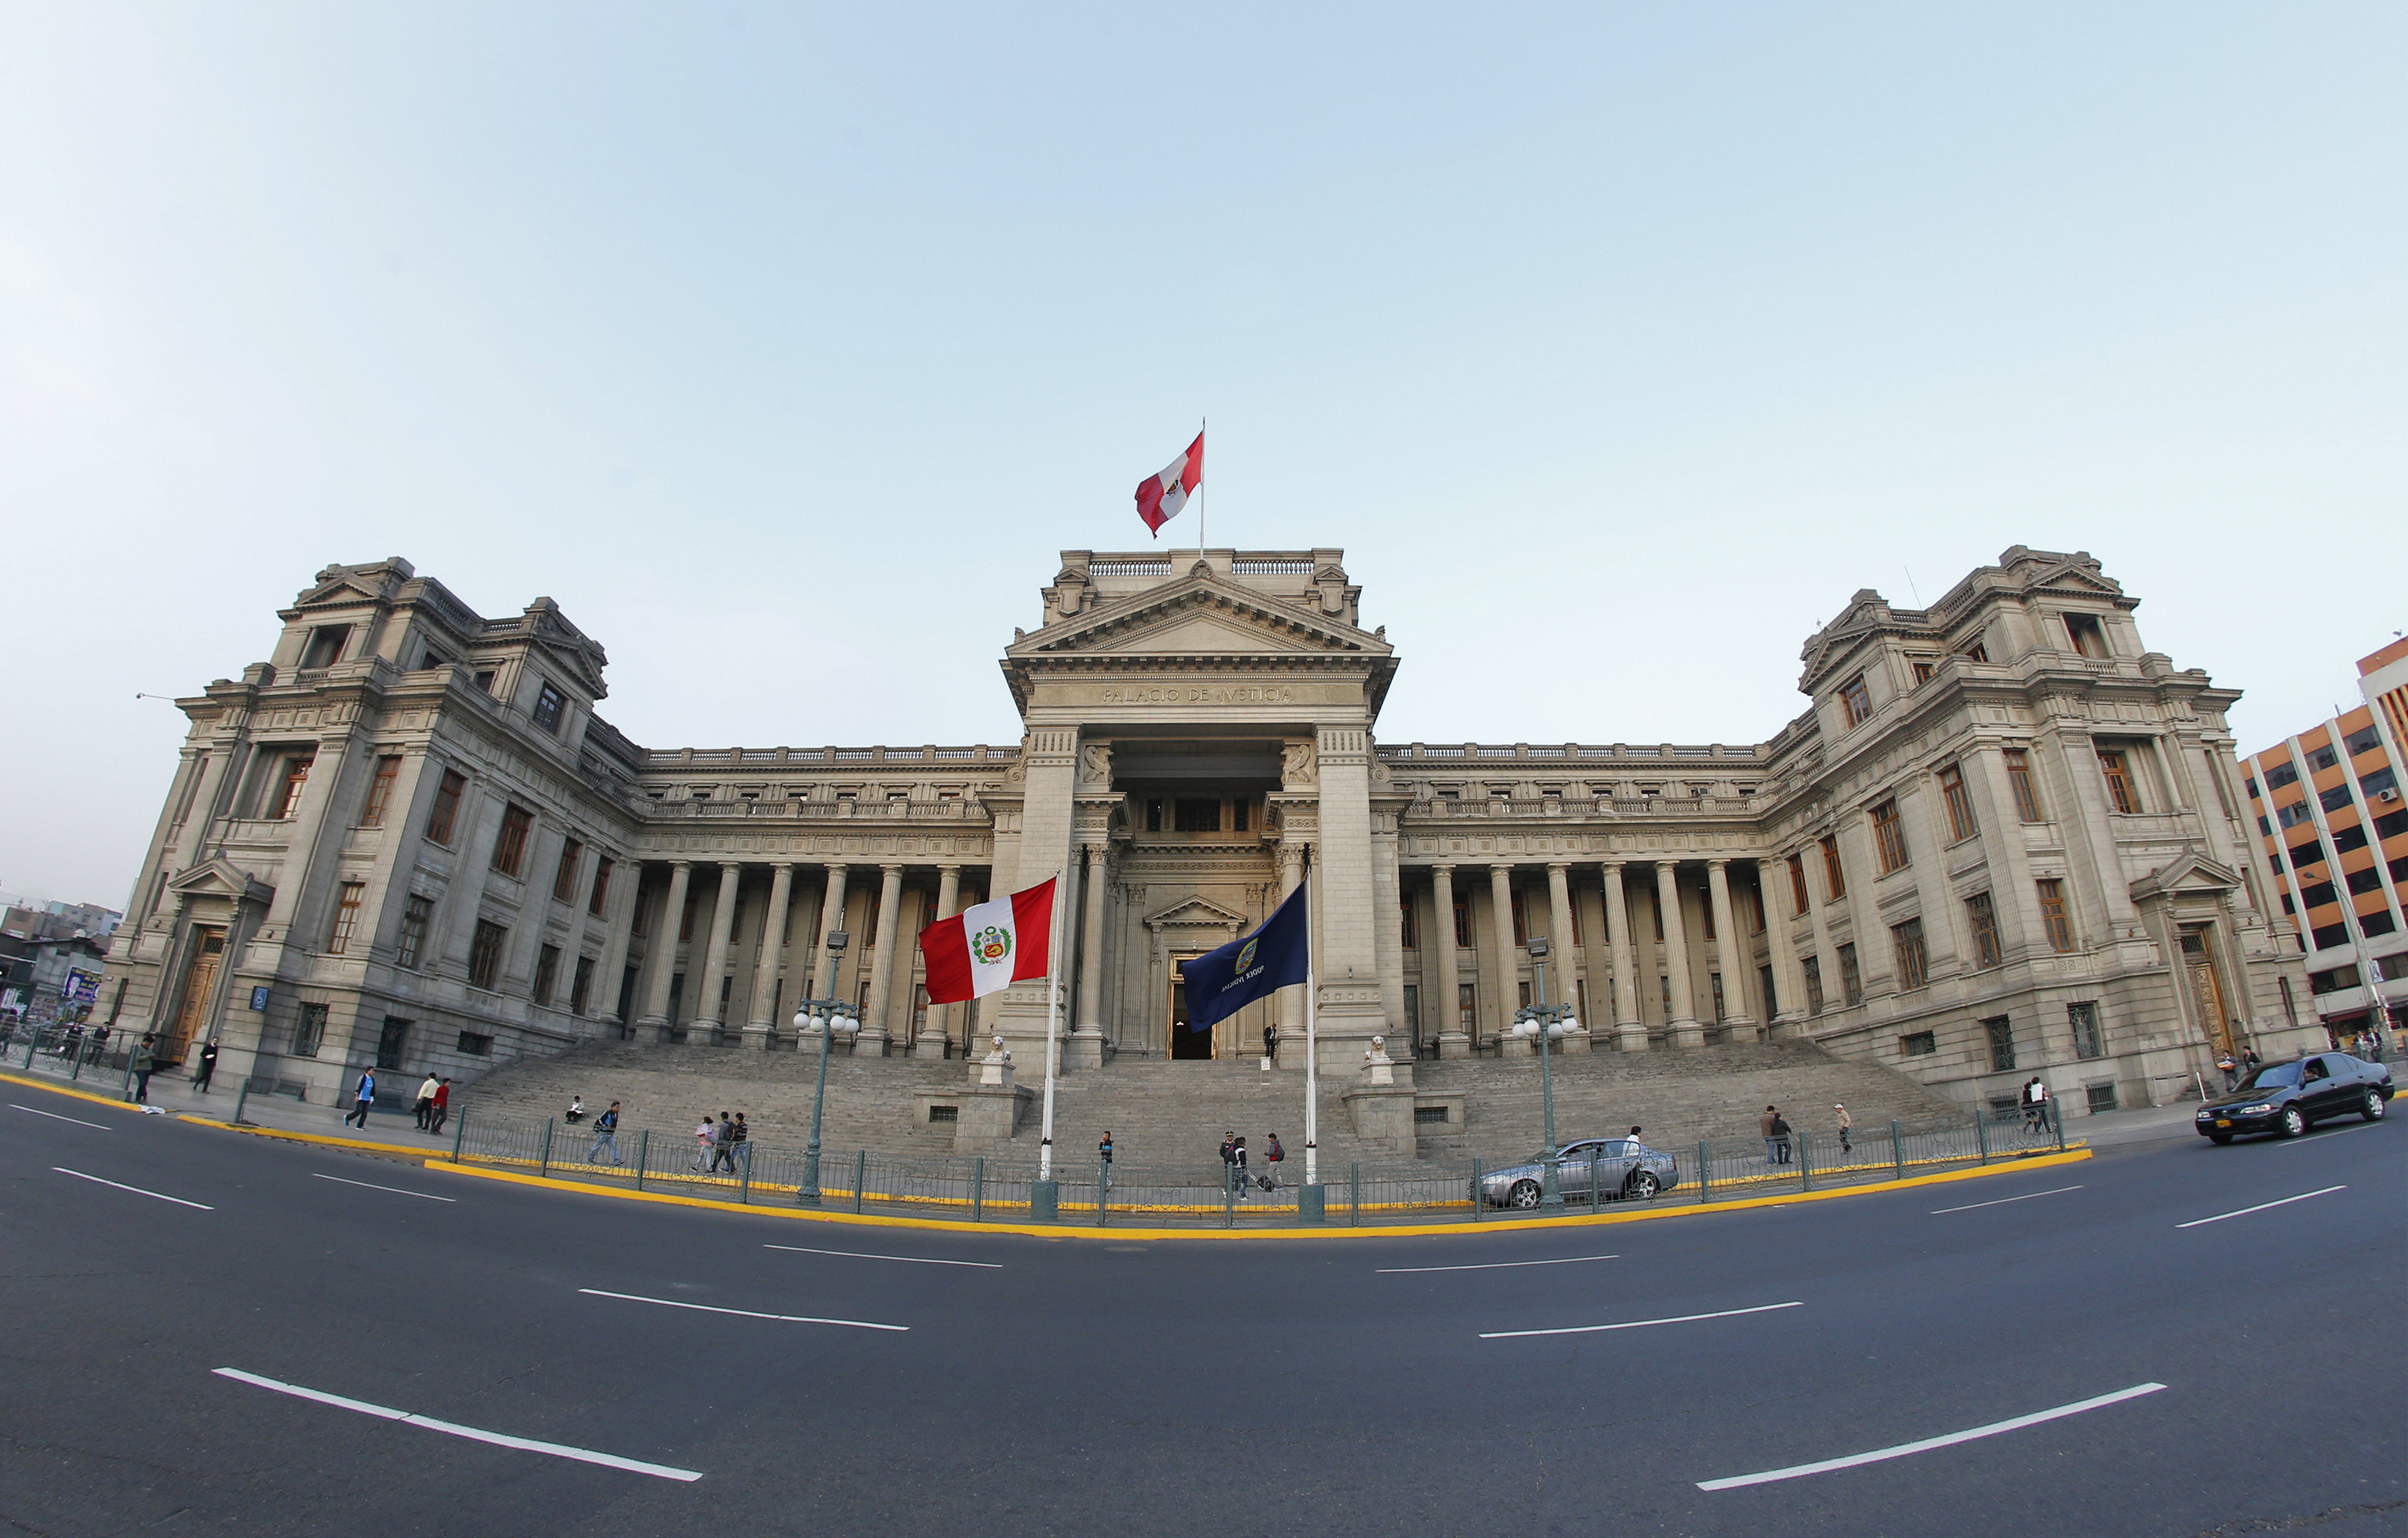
x: 944, y: 1113
x: 1428, y: 1113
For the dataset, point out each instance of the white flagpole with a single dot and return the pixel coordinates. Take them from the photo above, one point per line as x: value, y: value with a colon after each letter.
x: 1311, y: 1053
x: 1202, y: 424
x: 1052, y: 1032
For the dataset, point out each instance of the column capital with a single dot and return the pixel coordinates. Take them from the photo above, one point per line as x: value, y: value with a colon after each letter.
x: 1556, y: 866
x: 681, y: 864
x: 1508, y: 866
x: 1717, y: 862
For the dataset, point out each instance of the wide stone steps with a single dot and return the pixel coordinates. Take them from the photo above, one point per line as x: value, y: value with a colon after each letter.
x: 1171, y: 1115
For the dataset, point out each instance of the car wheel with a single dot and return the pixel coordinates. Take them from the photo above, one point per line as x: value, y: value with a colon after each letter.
x: 1524, y: 1195
x: 2372, y: 1107
x: 2294, y: 1122
x: 1645, y: 1185
x: 2219, y: 1139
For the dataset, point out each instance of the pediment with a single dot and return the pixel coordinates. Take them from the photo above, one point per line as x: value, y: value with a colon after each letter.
x: 1201, y: 615
x: 2192, y: 874
x: 1198, y: 913
x: 219, y: 877
x: 342, y: 593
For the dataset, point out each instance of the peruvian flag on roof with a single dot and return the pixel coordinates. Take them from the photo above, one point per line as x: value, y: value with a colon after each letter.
x: 1160, y: 497
x: 987, y: 949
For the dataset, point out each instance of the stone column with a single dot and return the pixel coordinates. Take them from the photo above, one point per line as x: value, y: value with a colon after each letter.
x: 703, y: 1024
x: 663, y: 956
x: 819, y: 971
x: 1084, y: 1045
x: 1289, y: 1001
x: 1559, y: 933
x: 1737, y: 1019
x: 1452, y: 1042
x: 1627, y: 1019
x: 620, y: 907
x: 1787, y: 979
x: 1682, y: 1029
x: 871, y: 1043
x: 930, y: 1043
x: 761, y: 1029
x: 1501, y: 926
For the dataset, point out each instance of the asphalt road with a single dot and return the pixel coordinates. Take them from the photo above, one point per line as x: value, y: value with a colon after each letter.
x: 1078, y: 1387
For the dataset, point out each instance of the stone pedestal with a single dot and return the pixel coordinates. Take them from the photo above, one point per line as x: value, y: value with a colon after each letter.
x: 982, y: 1115
x: 1511, y: 1045
x: 759, y: 1038
x: 1685, y: 1033
x: 930, y: 1047
x: 1453, y: 1044
x: 1576, y: 1042
x: 1084, y: 1048
x: 1383, y: 1114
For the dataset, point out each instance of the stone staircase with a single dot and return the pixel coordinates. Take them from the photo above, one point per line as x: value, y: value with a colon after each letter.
x: 1171, y: 1115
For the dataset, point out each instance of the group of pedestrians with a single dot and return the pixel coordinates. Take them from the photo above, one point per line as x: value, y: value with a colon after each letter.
x: 1234, y: 1157
x: 1778, y: 1134
x: 716, y: 1142
x: 434, y: 1103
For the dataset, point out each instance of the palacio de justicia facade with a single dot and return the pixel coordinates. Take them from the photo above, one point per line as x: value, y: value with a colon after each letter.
x: 2004, y: 837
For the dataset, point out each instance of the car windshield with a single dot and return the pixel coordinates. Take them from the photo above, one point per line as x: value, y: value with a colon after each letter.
x: 2274, y: 1076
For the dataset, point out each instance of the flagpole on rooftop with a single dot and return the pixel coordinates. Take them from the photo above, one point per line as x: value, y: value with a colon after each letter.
x: 1052, y: 1021
x: 1203, y: 424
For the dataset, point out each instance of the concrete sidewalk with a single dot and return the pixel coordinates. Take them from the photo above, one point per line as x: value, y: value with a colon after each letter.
x: 173, y: 1093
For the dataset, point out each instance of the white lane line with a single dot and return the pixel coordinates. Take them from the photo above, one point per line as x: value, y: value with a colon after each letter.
x: 786, y: 1319
x: 857, y: 1255
x: 2261, y: 1207
x: 2328, y: 1132
x: 2002, y: 1201
x: 581, y: 1455
x: 1799, y: 1471
x: 55, y: 1117
x: 367, y: 1185
x: 1637, y: 1324
x: 1492, y: 1265
x: 135, y: 1190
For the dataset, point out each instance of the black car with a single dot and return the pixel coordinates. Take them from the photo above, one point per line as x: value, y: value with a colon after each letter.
x: 2288, y: 1097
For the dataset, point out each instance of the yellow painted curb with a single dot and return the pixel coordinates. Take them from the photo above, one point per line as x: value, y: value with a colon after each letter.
x: 313, y: 1137
x: 1064, y: 1230
x: 70, y: 1092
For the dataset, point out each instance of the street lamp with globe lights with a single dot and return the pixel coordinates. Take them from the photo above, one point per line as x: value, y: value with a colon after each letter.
x: 827, y: 1016
x: 1547, y: 1022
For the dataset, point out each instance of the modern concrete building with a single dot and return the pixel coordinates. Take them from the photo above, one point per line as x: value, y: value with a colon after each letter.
x: 2332, y: 828
x: 2004, y: 838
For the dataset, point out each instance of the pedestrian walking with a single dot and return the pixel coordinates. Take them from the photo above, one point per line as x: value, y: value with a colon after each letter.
x: 1271, y: 1041
x: 425, y: 1105
x: 704, y: 1136
x: 1238, y: 1166
x: 2249, y: 1059
x: 732, y: 1140
x: 2036, y: 1105
x: 208, y: 1065
x: 1765, y: 1124
x: 2229, y: 1069
x: 722, y: 1145
x: 1104, y: 1153
x: 441, y: 1111
x: 361, y: 1098
x: 1780, y: 1131
x: 144, y: 1056
x: 1274, y: 1156
x: 1846, y: 1123
x: 606, y: 1135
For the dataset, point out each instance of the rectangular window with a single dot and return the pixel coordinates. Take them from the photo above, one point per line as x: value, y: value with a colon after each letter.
x: 546, y: 968
x: 1466, y: 1008
x: 1523, y: 999
x: 2099, y: 1098
x: 2083, y: 1019
x: 2019, y: 779
x: 1917, y: 1044
x: 1906, y: 942
x: 309, y: 1032
x: 2282, y: 775
x: 2335, y: 799
x: 2348, y: 838
x: 1407, y: 927
x: 1462, y: 920
x: 581, y: 987
x: 1983, y: 918
x: 1153, y: 814
x: 2364, y: 740
x: 564, y: 880
x: 2054, y: 921
x: 1835, y: 880
x: 1856, y: 701
x: 391, y: 1040
x: 1922, y: 671
x: 1715, y: 981
x: 447, y: 807
x: 1960, y: 804
x: 2320, y: 758
x: 2087, y: 637
x: 2378, y: 922
x: 347, y: 898
x: 2121, y: 794
x: 2391, y: 824
x: 1238, y: 810
x: 485, y: 955
x: 2293, y: 815
x: 1798, y: 886
x: 2378, y: 781
x: 380, y: 785
x: 288, y: 793
x: 594, y: 899
x: 547, y: 702
x: 1890, y: 837
x: 2310, y: 853
x: 1977, y: 652
x: 1521, y: 933
x: 2002, y: 1043
x: 2332, y: 981
x: 2290, y: 1002
x: 474, y: 1045
x: 1813, y: 967
x: 509, y: 845
x: 1197, y: 815
x: 1706, y: 916
x: 1852, y: 977
x: 416, y: 915
x: 2366, y: 880
x: 2330, y: 936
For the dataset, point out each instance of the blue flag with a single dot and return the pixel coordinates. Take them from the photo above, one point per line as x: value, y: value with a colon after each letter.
x: 1221, y: 982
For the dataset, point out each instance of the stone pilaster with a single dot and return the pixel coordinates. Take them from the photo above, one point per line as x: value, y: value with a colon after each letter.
x: 1348, y: 960
x: 1681, y: 1029
x: 761, y: 1024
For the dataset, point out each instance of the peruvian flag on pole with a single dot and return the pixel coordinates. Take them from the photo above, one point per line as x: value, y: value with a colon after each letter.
x: 983, y: 949
x: 1160, y: 497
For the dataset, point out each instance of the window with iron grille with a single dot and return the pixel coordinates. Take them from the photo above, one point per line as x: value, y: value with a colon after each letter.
x: 2083, y: 1019
x: 2002, y: 1043
x: 1852, y: 979
x: 1197, y: 815
x: 546, y: 968
x: 1813, y: 967
x: 564, y: 879
x: 1856, y: 701
x: 476, y: 1044
x: 1427, y: 1114
x: 2054, y: 921
x: 1835, y: 880
x: 1906, y: 943
x: 309, y: 1030
x: 2101, y: 1097
x: 2019, y: 780
x: 1960, y: 804
x: 1890, y: 837
x: 447, y: 807
x: 1983, y: 917
x: 1917, y: 1044
x: 347, y: 898
x: 416, y: 915
x: 388, y: 770
x: 391, y: 1042
x: 509, y: 845
x: 485, y: 954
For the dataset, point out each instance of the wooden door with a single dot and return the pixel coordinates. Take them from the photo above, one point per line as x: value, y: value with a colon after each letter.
x: 2206, y: 992
x: 200, y: 987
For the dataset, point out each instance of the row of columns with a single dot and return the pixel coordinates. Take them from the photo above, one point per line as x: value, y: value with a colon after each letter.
x: 1683, y: 1026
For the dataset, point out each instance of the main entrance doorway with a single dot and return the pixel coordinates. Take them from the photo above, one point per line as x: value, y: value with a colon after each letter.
x: 2206, y: 993
x: 200, y: 987
x: 1184, y: 1044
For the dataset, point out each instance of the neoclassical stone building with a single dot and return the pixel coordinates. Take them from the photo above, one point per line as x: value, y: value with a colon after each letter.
x: 2003, y: 839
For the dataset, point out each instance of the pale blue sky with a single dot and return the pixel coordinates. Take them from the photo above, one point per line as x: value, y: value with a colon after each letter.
x: 785, y: 346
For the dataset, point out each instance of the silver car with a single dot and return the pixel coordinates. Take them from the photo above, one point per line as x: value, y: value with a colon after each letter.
x: 1625, y: 1167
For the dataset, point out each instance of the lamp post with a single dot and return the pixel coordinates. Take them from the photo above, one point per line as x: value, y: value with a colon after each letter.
x: 1546, y: 1021
x: 828, y: 1017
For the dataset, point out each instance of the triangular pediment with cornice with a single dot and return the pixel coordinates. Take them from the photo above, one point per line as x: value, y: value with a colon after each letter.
x: 2191, y: 875
x: 218, y: 877
x: 1196, y: 913
x: 1202, y: 615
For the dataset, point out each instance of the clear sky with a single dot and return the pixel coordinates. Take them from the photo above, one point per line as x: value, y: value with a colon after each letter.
x: 784, y: 346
